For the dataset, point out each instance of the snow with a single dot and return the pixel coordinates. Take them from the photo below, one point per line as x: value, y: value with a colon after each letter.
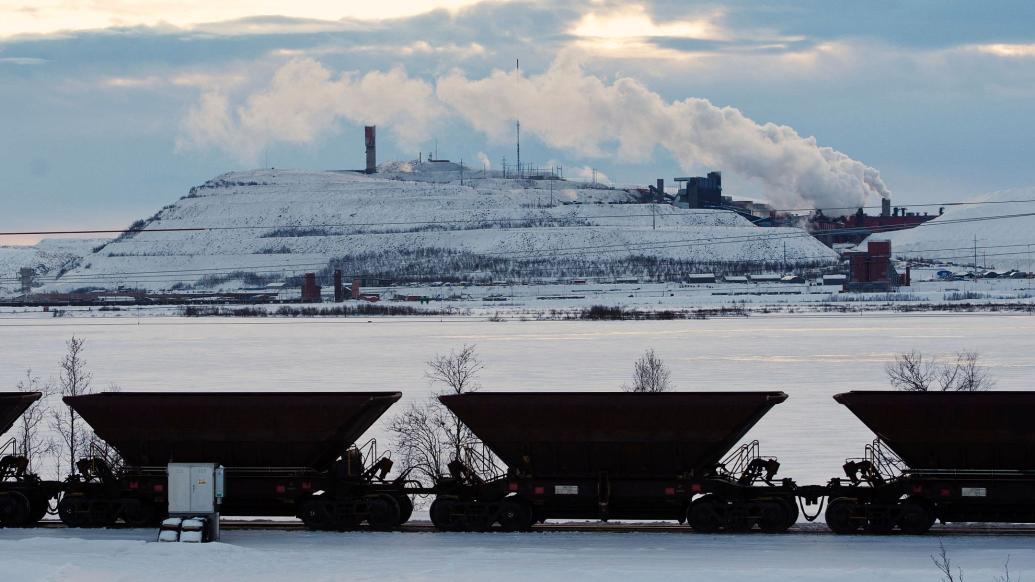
x: 809, y: 357
x: 47, y: 257
x: 1004, y: 241
x: 116, y: 555
x: 349, y: 215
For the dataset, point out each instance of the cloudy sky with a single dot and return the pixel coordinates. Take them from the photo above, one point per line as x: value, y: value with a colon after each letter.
x: 110, y: 109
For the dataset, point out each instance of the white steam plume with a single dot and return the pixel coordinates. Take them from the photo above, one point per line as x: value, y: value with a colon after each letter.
x: 564, y: 107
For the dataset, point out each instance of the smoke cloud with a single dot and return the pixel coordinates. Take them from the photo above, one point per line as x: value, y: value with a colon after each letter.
x: 564, y: 107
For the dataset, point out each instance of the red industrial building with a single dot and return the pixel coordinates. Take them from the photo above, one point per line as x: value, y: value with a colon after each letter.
x: 310, y: 290
x: 854, y: 229
x: 872, y: 269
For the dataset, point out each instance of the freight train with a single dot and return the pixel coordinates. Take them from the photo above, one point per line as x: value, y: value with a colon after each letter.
x: 950, y: 457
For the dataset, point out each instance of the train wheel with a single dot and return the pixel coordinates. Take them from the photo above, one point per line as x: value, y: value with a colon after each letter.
x: 915, y: 518
x: 383, y: 512
x: 14, y: 509
x: 441, y: 514
x: 516, y: 515
x: 705, y: 515
x: 776, y: 516
x: 138, y: 513
x: 71, y: 512
x: 314, y: 515
x: 839, y: 516
x: 405, y: 508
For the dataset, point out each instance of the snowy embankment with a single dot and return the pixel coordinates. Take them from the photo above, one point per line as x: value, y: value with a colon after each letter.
x: 30, y: 555
x: 266, y: 225
x: 1001, y: 243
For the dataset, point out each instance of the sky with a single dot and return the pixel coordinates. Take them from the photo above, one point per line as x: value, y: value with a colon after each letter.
x: 111, y: 109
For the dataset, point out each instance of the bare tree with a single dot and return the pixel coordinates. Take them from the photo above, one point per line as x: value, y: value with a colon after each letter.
x: 650, y: 374
x: 74, y: 380
x: 417, y: 439
x: 965, y: 375
x: 32, y: 445
x: 914, y: 372
x: 910, y: 372
x: 944, y: 565
x: 426, y: 436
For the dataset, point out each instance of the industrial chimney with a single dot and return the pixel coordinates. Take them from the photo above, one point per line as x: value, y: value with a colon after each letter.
x: 885, y: 207
x: 370, y: 133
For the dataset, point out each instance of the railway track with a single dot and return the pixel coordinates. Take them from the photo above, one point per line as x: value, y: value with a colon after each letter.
x: 798, y: 529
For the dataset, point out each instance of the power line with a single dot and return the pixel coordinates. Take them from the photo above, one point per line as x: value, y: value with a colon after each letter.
x: 466, y: 221
x: 553, y: 253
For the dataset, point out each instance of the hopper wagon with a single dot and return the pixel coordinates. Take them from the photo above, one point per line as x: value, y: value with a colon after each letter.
x: 24, y: 497
x: 945, y: 456
x: 282, y: 454
x: 614, y: 456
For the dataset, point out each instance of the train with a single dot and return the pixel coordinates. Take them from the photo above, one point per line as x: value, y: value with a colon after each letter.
x: 947, y: 456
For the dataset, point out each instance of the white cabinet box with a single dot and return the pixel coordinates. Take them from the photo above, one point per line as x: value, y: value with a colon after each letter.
x: 194, y: 487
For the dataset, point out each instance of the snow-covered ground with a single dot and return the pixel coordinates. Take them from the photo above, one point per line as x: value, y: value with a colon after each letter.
x: 127, y: 555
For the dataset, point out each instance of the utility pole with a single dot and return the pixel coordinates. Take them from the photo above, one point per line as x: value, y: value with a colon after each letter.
x: 551, y: 193
x: 975, y: 257
x: 461, y: 171
x: 785, y: 256
x: 517, y: 68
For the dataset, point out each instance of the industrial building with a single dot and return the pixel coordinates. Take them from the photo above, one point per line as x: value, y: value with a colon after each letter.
x: 700, y: 192
x: 872, y: 269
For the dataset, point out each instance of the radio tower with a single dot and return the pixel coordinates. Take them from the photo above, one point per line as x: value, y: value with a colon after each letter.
x: 517, y: 67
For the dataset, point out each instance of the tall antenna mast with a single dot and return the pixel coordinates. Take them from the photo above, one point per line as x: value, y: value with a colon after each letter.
x: 517, y: 67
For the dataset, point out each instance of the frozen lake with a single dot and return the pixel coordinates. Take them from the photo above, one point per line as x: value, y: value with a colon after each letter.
x: 809, y: 357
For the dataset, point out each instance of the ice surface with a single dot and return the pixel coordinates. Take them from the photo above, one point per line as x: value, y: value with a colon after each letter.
x: 811, y: 358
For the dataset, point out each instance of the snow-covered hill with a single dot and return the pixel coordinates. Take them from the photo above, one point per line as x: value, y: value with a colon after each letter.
x: 417, y: 222
x: 47, y: 259
x: 1002, y: 243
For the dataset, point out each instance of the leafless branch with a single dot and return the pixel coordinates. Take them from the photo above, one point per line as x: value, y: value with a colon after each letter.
x: 32, y: 445
x: 650, y: 374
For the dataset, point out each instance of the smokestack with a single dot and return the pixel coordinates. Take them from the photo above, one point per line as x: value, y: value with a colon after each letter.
x: 339, y: 291
x: 661, y: 190
x: 885, y: 207
x: 370, y: 135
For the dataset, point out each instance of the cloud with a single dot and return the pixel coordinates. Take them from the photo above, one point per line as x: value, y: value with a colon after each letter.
x: 564, y: 107
x: 633, y: 21
x: 483, y: 159
x: 1012, y: 51
x: 23, y: 61
x: 59, y: 17
x: 304, y: 102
